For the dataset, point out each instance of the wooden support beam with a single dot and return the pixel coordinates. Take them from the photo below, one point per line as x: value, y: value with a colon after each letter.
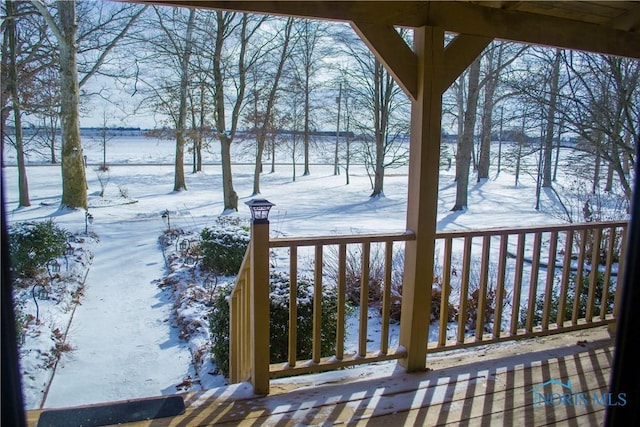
x: 259, y: 340
x: 619, y: 38
x: 392, y: 51
x: 532, y: 28
x: 424, y: 156
x: 459, y: 54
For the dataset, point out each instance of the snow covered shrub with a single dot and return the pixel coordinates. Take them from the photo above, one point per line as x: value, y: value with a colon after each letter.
x: 436, y: 302
x: 279, y: 304
x: 219, y: 326
x: 32, y: 244
x: 224, y: 245
x: 376, y: 272
x: 279, y: 321
x: 571, y: 298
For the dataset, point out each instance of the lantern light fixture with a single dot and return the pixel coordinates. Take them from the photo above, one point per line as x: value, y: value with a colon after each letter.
x: 259, y: 210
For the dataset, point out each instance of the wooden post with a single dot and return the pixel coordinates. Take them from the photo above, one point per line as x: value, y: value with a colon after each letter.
x: 422, y: 202
x: 260, y: 306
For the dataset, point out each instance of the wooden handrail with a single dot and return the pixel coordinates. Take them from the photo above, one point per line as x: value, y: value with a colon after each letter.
x: 489, y: 310
x: 283, y: 242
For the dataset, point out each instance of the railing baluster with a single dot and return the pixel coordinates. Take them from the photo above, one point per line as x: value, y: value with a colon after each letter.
x: 593, y: 277
x: 551, y: 274
x: 533, y: 283
x: 500, y: 291
x: 517, y: 284
x: 293, y: 305
x: 386, y: 298
x: 464, y: 288
x: 364, y: 299
x: 482, y: 290
x: 246, y: 316
x: 578, y: 277
x: 566, y: 273
x: 317, y: 306
x: 342, y: 292
x: 607, y: 273
x: 445, y: 291
x: 241, y: 351
x: 233, y: 335
x: 621, y: 267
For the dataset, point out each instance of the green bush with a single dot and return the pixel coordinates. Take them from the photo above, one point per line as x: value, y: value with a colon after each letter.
x: 571, y: 297
x: 279, y: 322
x: 32, y: 244
x: 224, y: 245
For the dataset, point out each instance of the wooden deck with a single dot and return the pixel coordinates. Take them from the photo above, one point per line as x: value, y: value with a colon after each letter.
x: 485, y: 386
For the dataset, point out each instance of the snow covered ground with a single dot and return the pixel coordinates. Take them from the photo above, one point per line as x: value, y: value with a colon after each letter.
x: 123, y: 335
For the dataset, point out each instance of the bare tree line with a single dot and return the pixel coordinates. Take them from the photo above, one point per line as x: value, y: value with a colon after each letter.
x: 211, y: 73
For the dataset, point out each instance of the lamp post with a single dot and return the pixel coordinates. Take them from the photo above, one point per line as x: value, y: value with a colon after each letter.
x: 88, y: 219
x: 259, y: 282
x: 53, y: 266
x: 167, y: 219
x: 67, y: 253
x: 184, y: 245
x: 42, y: 294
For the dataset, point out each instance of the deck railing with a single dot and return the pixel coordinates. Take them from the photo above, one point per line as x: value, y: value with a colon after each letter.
x: 240, y: 323
x: 489, y: 286
x: 510, y: 283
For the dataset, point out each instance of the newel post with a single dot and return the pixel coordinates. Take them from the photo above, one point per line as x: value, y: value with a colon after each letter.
x: 259, y: 294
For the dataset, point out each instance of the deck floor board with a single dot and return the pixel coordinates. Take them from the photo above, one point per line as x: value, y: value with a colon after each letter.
x: 489, y: 386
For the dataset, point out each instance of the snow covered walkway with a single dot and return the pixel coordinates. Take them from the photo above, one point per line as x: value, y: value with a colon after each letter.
x: 123, y: 344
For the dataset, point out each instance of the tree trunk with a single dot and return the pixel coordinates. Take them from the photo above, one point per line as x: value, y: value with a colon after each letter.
x: 179, y: 182
x: 230, y: 195
x: 383, y: 87
x: 500, y: 140
x: 347, y: 140
x: 465, y: 146
x: 547, y: 177
x: 74, y: 181
x: 23, y: 186
x: 558, y: 142
x: 271, y: 99
x: 336, y: 167
x: 460, y: 108
x: 520, y: 144
x: 484, y: 158
x: 306, y: 124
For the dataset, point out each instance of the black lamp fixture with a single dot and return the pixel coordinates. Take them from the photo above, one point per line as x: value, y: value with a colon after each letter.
x: 259, y: 210
x: 53, y: 266
x: 184, y: 245
x: 88, y: 219
x: 67, y: 253
x: 167, y: 219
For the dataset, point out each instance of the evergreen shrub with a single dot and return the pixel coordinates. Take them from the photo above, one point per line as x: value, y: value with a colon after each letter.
x: 32, y: 244
x: 571, y: 300
x: 224, y: 245
x: 279, y: 321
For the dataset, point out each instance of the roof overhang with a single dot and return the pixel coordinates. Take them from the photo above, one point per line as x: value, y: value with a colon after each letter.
x: 595, y: 26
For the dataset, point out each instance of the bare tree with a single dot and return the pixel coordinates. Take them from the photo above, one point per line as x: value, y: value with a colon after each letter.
x: 64, y: 26
x: 496, y: 59
x: 307, y: 57
x: 380, y: 111
x: 465, y: 144
x: 10, y: 33
x: 245, y: 61
x: 268, y: 114
x: 603, y: 109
